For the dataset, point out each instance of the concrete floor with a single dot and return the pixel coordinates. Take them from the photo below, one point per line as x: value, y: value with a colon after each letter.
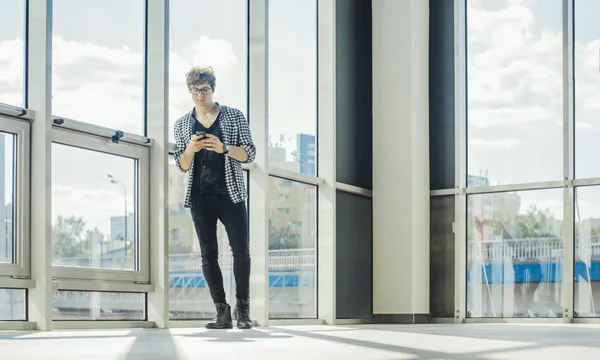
x: 467, y: 341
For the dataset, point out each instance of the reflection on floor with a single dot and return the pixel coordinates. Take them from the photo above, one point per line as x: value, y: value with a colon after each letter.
x: 467, y: 341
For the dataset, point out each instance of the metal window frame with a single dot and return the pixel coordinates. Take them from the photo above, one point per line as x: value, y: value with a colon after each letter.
x: 141, y: 155
x: 21, y: 129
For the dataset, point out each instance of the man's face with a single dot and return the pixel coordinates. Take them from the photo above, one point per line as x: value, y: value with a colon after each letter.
x: 202, y: 94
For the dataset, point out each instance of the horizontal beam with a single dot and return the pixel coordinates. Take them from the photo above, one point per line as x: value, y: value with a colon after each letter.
x: 100, y: 131
x: 91, y: 325
x: 17, y: 112
x: 353, y: 189
x: 295, y: 176
x: 83, y: 285
x: 8, y: 283
x: 17, y: 325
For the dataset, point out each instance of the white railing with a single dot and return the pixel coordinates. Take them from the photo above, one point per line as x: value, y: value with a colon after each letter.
x: 525, y: 249
x: 278, y: 260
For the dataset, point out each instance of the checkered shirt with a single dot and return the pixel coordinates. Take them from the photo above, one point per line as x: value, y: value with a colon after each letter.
x: 235, y: 132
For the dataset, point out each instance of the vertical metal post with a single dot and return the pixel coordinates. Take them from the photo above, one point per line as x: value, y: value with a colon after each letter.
x: 39, y: 99
x: 157, y: 125
x: 460, y: 141
x: 326, y: 239
x: 259, y: 174
x: 568, y: 162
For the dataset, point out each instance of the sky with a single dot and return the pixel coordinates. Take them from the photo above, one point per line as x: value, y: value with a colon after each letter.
x: 515, y: 96
x: 514, y: 82
x: 97, y: 77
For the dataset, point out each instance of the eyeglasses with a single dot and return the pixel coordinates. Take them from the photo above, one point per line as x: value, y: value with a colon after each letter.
x: 204, y: 90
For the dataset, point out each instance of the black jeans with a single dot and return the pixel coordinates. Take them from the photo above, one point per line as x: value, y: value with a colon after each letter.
x: 205, y: 212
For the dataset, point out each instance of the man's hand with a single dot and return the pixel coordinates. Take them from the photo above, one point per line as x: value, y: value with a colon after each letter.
x: 213, y: 143
x: 195, y: 144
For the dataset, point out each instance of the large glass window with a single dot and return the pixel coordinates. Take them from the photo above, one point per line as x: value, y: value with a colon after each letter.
x: 98, y: 62
x: 12, y: 50
x: 94, y: 209
x: 587, y: 87
x: 12, y: 305
x: 292, y: 249
x: 587, y: 252
x: 514, y: 257
x: 218, y: 39
x: 514, y: 91
x: 7, y: 198
x: 189, y: 296
x: 292, y: 59
x: 94, y: 306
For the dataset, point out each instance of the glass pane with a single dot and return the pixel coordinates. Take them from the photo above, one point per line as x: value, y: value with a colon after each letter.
x: 514, y: 87
x: 7, y: 197
x: 587, y: 87
x: 189, y: 296
x: 587, y: 252
x: 92, y: 194
x: 292, y: 85
x: 12, y: 50
x: 442, y: 256
x: 514, y: 254
x: 12, y: 305
x: 219, y: 41
x: 292, y: 249
x: 98, y: 62
x: 88, y: 305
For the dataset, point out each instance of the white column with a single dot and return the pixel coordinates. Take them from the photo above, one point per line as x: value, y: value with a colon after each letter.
x: 39, y: 99
x: 326, y: 296
x: 259, y: 173
x: 400, y: 161
x: 157, y: 105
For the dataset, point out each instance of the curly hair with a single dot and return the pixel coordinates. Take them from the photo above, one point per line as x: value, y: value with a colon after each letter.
x: 200, y: 75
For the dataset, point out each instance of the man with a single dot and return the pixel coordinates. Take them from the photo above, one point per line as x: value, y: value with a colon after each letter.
x: 212, y: 142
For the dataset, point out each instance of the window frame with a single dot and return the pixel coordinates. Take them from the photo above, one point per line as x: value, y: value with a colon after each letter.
x: 142, y: 212
x: 21, y: 266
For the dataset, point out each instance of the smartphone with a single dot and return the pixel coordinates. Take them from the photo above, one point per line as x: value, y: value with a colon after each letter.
x: 202, y: 134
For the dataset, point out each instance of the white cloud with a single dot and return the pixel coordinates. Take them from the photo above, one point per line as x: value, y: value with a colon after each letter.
x: 217, y: 53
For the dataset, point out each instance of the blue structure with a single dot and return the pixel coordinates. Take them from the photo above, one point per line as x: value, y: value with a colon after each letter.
x: 277, y: 278
x: 535, y: 272
x: 306, y: 148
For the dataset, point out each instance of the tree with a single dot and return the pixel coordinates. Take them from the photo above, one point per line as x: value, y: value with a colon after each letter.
x: 282, y: 238
x: 68, y: 237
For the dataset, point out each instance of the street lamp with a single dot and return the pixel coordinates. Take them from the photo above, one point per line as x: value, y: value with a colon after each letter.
x: 115, y: 181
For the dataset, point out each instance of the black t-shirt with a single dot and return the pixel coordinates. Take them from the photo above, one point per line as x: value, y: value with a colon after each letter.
x: 209, y: 166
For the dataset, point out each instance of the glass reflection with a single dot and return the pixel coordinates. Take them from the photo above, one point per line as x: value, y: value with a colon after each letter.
x: 292, y: 85
x: 94, y: 212
x: 587, y: 87
x: 587, y: 252
x: 12, y: 51
x: 7, y: 197
x: 98, y: 62
x: 514, y: 91
x: 292, y: 249
x: 95, y: 306
x: 514, y: 254
x: 13, y: 305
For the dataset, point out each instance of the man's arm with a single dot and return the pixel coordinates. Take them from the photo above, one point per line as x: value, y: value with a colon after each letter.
x: 246, y: 151
x: 183, y: 155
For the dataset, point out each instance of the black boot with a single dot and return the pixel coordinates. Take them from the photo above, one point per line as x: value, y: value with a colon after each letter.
x: 242, y: 314
x: 223, y: 318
